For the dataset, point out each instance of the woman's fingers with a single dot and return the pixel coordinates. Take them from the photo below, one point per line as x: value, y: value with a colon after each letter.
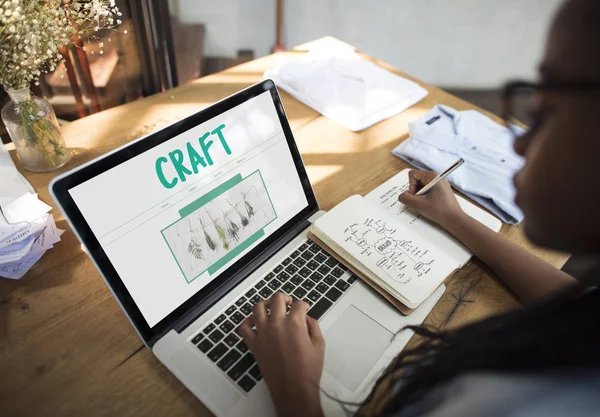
x: 269, y: 310
x: 277, y: 306
x: 314, y: 331
x: 260, y: 314
x: 418, y: 179
x: 298, y: 312
x: 414, y: 181
x: 247, y: 333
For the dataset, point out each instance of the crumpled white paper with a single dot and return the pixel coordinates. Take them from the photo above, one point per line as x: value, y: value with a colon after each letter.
x: 27, y: 230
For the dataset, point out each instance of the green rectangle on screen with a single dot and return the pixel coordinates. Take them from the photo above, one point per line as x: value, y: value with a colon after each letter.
x: 235, y: 252
x: 211, y: 195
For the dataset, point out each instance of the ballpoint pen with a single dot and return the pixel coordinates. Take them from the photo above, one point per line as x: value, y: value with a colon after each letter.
x: 440, y: 177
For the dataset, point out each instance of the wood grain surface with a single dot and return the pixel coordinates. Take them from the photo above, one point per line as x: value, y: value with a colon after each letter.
x: 67, y: 349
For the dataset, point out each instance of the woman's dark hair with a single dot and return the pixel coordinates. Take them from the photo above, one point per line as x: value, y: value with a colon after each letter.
x: 560, y: 334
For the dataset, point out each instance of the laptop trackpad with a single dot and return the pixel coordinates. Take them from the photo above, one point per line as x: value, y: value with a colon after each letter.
x: 354, y: 343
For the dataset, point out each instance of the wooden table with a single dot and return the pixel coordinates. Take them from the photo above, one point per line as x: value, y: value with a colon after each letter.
x: 67, y: 349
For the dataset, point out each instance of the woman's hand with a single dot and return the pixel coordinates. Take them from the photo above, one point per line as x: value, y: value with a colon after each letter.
x: 439, y: 204
x: 290, y: 351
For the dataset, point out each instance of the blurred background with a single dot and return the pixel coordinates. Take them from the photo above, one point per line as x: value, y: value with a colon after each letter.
x: 469, y: 47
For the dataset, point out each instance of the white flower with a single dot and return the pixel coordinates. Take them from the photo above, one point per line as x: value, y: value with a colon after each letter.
x: 33, y: 31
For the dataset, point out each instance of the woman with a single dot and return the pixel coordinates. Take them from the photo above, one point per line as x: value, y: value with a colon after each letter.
x: 543, y: 360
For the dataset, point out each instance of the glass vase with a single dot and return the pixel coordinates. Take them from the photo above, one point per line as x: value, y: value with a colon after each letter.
x: 33, y: 128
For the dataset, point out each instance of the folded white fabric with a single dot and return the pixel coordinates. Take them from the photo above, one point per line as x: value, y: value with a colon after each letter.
x: 444, y: 134
x: 339, y: 84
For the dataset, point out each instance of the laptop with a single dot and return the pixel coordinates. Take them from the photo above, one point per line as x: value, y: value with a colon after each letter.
x: 192, y: 225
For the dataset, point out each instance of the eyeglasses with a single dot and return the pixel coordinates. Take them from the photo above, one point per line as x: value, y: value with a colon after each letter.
x: 521, y: 101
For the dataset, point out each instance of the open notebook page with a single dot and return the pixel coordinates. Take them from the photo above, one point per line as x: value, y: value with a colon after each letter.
x: 386, y: 197
x: 397, y: 258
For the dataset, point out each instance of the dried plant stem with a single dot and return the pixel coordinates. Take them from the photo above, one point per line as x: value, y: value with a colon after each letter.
x: 40, y: 133
x: 243, y: 219
x: 220, y: 232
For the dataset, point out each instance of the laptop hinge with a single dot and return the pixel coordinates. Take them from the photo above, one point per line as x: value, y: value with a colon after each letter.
x: 235, y: 280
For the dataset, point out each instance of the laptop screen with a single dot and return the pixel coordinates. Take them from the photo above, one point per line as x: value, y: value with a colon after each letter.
x: 175, y: 217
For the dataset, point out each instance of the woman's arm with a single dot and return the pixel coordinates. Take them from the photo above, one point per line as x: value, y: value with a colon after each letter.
x: 528, y: 276
x: 290, y: 351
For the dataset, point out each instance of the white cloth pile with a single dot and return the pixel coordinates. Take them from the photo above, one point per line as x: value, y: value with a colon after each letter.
x: 444, y: 134
x: 27, y: 230
x: 336, y: 82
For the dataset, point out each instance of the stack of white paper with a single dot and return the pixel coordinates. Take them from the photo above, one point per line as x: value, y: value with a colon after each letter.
x: 27, y: 231
x: 347, y: 89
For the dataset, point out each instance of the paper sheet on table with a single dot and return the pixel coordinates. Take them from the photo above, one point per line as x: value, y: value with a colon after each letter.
x: 16, y: 270
x: 27, y: 231
x: 347, y: 89
x: 47, y: 238
x: 44, y: 241
x: 9, y: 231
x: 13, y: 233
x: 17, y: 250
x: 13, y: 184
x: 26, y: 208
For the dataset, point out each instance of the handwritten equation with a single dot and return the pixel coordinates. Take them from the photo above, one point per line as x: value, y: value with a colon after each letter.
x: 401, y: 260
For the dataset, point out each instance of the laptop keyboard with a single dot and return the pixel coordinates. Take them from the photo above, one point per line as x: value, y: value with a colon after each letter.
x: 308, y: 273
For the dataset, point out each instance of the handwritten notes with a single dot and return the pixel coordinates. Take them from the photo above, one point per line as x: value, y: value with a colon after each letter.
x: 386, y: 197
x: 385, y: 250
x: 400, y: 260
x: 393, y: 245
x: 389, y: 201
